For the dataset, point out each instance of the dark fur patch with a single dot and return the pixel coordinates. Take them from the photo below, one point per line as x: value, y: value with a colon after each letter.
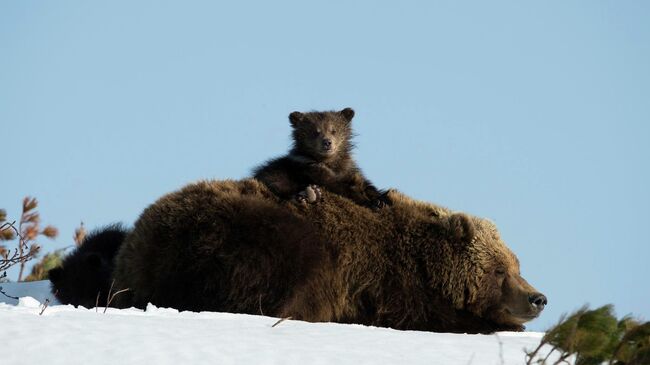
x: 86, y: 272
x: 348, y: 114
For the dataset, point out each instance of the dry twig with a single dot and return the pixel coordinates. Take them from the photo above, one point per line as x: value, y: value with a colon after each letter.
x: 79, y: 235
x: 47, y: 302
x: 532, y: 355
x: 110, y: 297
x: 7, y: 295
x: 18, y: 256
x: 500, y: 348
x: 28, y: 230
x: 280, y: 321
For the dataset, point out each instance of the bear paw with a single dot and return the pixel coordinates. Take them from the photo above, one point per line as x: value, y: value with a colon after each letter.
x: 312, y: 194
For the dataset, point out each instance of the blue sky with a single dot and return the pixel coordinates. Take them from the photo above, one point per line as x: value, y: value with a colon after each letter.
x: 535, y: 115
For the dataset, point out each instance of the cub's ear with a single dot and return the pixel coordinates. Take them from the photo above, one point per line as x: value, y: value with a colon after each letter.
x: 348, y: 114
x: 461, y: 228
x: 93, y: 260
x: 55, y: 275
x: 295, y: 118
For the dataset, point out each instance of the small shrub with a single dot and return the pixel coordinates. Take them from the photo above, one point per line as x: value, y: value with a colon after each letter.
x: 27, y: 232
x: 47, y: 263
x: 594, y: 337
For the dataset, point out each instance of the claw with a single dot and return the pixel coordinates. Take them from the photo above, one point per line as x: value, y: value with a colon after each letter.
x: 301, y: 198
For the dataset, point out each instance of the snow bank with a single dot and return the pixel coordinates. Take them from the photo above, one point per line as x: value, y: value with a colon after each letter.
x: 39, y: 290
x: 67, y: 335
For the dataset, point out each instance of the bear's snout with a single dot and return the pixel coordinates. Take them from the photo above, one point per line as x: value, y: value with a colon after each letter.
x: 538, y: 301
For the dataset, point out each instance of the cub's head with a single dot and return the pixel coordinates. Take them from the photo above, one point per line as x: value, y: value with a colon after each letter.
x: 322, y: 135
x: 84, y: 277
x: 82, y: 280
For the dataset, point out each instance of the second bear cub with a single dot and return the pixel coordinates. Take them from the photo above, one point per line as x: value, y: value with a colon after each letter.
x: 84, y: 278
x: 321, y: 156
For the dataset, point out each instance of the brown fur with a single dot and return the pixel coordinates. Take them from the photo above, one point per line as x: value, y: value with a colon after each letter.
x: 321, y: 155
x: 233, y: 246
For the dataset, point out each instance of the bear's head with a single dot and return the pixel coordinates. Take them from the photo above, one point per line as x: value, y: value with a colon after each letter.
x: 322, y: 136
x: 81, y: 280
x: 484, y: 278
x: 84, y: 277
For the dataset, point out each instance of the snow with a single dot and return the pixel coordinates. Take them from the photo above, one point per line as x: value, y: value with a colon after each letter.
x: 39, y: 290
x: 67, y: 335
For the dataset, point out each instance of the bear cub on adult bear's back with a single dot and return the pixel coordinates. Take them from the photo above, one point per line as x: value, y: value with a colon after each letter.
x: 320, y: 157
x: 84, y: 277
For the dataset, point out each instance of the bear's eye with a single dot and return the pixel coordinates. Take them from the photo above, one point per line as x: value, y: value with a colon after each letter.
x: 500, y: 271
x: 316, y: 133
x: 333, y: 131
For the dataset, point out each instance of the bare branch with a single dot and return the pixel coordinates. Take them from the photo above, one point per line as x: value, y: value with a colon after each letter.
x: 113, y: 297
x: 47, y: 302
x: 280, y: 321
x: 21, y: 254
x: 5, y: 225
x: 531, y: 355
x: 7, y: 295
x: 110, y: 297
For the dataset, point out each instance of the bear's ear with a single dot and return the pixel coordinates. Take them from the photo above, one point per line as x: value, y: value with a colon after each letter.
x: 55, y: 275
x: 348, y: 114
x: 296, y: 118
x: 93, y: 260
x: 461, y: 228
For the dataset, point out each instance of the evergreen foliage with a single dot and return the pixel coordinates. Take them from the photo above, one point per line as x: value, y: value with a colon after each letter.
x: 48, y: 262
x: 592, y: 337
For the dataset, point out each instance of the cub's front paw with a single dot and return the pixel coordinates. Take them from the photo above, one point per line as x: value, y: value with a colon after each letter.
x: 312, y: 194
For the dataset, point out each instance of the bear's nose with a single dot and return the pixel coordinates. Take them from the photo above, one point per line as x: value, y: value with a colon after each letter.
x: 538, y: 300
x: 327, y: 143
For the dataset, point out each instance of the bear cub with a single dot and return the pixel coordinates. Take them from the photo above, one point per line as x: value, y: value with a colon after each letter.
x: 321, y: 156
x: 84, y: 277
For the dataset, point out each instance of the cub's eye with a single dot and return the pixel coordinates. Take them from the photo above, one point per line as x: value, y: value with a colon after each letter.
x: 500, y: 271
x: 316, y: 133
x: 333, y: 131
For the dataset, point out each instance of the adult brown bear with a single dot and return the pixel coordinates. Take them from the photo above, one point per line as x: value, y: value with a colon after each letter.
x: 233, y: 246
